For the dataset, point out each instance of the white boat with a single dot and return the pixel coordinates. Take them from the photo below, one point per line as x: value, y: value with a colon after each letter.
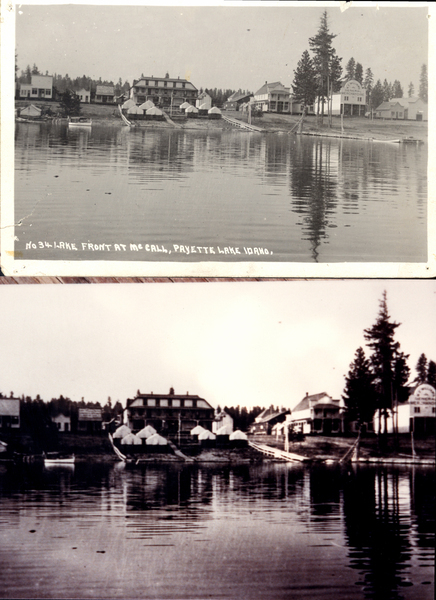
x: 50, y: 460
x: 79, y: 122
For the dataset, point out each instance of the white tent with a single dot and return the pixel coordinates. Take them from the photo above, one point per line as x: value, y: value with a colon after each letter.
x: 121, y: 432
x: 224, y: 430
x: 153, y: 111
x: 238, y: 435
x: 156, y: 440
x: 207, y: 435
x: 185, y: 105
x: 146, y: 105
x: 134, y: 110
x: 131, y: 440
x: 191, y: 109
x: 214, y: 111
x: 197, y: 430
x: 147, y: 432
x: 30, y: 111
x: 128, y: 104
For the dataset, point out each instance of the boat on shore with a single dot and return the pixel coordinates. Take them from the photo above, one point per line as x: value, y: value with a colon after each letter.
x: 53, y: 458
x: 75, y: 122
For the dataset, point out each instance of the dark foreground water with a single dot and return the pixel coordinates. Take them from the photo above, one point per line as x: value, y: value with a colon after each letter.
x: 118, y: 194
x: 271, y: 531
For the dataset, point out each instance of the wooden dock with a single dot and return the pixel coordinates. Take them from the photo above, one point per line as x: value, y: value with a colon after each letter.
x: 276, y: 453
x: 241, y: 124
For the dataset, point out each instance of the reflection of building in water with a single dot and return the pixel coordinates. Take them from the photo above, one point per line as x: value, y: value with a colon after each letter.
x: 170, y: 413
x: 417, y: 415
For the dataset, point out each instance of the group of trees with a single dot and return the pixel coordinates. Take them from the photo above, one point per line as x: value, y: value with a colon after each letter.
x: 242, y: 416
x: 378, y: 382
x: 320, y: 75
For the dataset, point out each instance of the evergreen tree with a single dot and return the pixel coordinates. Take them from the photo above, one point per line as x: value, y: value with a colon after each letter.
x: 70, y: 103
x: 304, y: 85
x: 350, y: 68
x: 411, y: 89
x: 431, y: 373
x: 387, y: 362
x: 377, y: 95
x: 368, y: 85
x: 360, y: 393
x: 35, y: 70
x: 397, y: 90
x: 324, y: 56
x: 387, y: 91
x: 423, y: 84
x: 421, y: 369
x: 358, y: 73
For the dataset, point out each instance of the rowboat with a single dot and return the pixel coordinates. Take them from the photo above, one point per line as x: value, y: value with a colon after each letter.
x: 52, y: 459
x: 79, y: 122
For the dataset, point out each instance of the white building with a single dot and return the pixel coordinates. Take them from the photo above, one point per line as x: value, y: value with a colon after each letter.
x: 41, y: 86
x: 62, y: 422
x: 222, y: 419
x: 350, y: 101
x: 418, y: 414
x: 204, y: 101
x: 318, y: 413
x: 273, y: 97
x: 84, y: 95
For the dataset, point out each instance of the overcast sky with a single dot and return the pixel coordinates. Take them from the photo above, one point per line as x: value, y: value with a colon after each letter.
x: 247, y: 343
x: 214, y: 46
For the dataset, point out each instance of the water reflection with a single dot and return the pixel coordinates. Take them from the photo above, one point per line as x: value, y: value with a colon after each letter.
x: 303, y: 198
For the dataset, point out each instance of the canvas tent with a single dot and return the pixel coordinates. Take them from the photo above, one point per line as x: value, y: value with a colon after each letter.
x: 121, y: 432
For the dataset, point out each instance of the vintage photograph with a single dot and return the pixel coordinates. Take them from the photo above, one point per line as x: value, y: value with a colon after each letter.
x: 256, y: 440
x: 264, y: 139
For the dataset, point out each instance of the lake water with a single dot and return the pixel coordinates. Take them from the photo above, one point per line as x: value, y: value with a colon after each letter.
x: 269, y: 531
x: 116, y: 193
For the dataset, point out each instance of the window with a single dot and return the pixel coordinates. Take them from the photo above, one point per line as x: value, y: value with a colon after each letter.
x: 174, y: 84
x: 48, y: 92
x: 164, y: 402
x: 417, y: 409
x: 346, y: 98
x: 146, y: 82
x: 188, y: 402
x: 176, y: 402
x: 34, y: 91
x: 165, y: 83
x: 156, y: 83
x: 151, y: 402
x: 183, y: 85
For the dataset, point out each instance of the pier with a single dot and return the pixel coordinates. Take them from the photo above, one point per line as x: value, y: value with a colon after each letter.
x: 242, y: 125
x: 276, y: 453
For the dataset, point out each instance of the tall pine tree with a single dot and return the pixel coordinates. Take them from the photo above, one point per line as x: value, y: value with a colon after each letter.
x: 360, y: 394
x: 423, y: 84
x: 304, y: 85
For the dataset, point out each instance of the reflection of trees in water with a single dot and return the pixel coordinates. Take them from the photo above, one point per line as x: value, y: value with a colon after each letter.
x: 313, y: 182
x: 378, y: 528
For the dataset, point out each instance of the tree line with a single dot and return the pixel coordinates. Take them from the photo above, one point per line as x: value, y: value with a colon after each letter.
x: 377, y: 383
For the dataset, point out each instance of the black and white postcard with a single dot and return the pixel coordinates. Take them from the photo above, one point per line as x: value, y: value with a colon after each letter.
x: 252, y: 139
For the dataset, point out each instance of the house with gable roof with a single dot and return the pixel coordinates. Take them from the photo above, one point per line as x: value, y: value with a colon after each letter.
x: 104, y: 94
x: 318, y: 413
x: 273, y: 97
x: 265, y: 421
x: 236, y: 100
x: 412, y: 109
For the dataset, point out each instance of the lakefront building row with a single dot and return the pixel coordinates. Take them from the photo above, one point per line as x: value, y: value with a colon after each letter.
x: 167, y: 92
x: 178, y: 414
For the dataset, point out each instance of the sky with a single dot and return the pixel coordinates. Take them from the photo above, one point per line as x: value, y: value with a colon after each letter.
x: 238, y: 343
x: 231, y: 47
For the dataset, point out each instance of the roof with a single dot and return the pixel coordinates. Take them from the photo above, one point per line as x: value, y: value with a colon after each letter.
x: 308, y: 400
x: 105, y: 90
x: 389, y: 105
x: 269, y: 87
x: 172, y: 396
x: 269, y: 413
x: 172, y: 79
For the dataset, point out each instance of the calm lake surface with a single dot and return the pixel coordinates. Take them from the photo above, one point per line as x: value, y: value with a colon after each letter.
x: 273, y: 531
x: 216, y: 195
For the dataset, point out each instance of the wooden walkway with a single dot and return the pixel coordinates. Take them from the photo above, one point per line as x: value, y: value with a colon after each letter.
x: 241, y: 124
x: 276, y: 453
